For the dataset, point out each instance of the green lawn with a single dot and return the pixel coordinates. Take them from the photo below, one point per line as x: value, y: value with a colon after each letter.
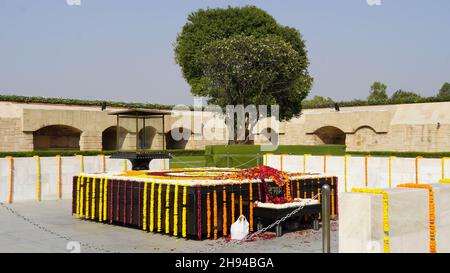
x: 187, y: 161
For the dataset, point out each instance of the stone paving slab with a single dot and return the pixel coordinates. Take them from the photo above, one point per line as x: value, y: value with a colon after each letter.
x: 17, y: 235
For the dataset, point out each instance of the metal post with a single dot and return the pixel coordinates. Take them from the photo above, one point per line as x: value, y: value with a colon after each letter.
x: 325, y: 218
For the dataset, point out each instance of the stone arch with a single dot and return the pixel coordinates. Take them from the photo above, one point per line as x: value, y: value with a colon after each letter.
x: 146, y: 136
x: 57, y: 137
x: 365, y: 138
x: 330, y: 135
x: 172, y: 143
x: 109, y: 138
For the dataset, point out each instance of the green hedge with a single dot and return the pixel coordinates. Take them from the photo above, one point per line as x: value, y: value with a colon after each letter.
x: 401, y: 154
x: 245, y: 156
x: 306, y: 105
x: 26, y: 99
x: 51, y: 153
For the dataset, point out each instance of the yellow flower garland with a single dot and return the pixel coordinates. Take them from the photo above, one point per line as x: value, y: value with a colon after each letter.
x: 93, y: 199
x: 184, y: 218
x: 100, y: 200
x: 144, y: 208
x: 159, y: 208
x: 105, y: 198
x: 58, y: 157
x: 77, y: 209
x: 224, y: 214
x: 215, y: 212
x: 87, y: 198
x: 82, y: 196
x: 175, y: 211
x: 167, y: 214
x: 152, y: 207
x: 298, y: 189
x: 38, y: 175
x: 386, y: 240
x: 432, y: 213
x: 208, y: 214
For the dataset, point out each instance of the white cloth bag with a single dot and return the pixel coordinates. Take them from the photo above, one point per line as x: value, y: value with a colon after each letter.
x: 240, y: 228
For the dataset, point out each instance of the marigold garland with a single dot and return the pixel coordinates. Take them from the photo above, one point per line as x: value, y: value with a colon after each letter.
x: 184, y: 216
x: 11, y: 179
x: 232, y: 203
x: 93, y: 199
x: 208, y: 214
x: 224, y: 213
x: 215, y: 227
x: 158, y: 222
x: 87, y: 197
x: 431, y: 209
x: 152, y: 207
x: 175, y: 211
x: 38, y: 175
x: 105, y: 198
x: 144, y: 208
x: 386, y: 240
x: 167, y: 214
x: 82, y: 189
x: 100, y: 200
x: 77, y: 206
x: 58, y: 157
x: 240, y: 199
x: 332, y: 198
x: 298, y: 189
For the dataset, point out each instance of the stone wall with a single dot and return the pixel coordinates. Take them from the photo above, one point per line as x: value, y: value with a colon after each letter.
x: 421, y: 127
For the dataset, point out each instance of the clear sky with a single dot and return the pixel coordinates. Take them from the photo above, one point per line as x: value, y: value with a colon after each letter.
x: 123, y: 49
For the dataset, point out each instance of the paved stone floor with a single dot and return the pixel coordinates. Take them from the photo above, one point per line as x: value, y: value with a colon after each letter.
x: 60, y: 227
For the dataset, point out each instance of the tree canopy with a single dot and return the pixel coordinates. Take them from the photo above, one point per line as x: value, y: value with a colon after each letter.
x: 242, y: 56
x: 444, y: 92
x: 208, y: 25
x: 402, y: 96
x: 377, y: 92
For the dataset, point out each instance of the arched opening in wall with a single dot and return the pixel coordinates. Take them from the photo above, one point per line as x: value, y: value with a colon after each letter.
x: 269, y: 135
x: 146, y: 136
x: 177, y: 138
x: 364, y: 138
x: 330, y: 135
x: 56, y: 137
x: 109, y: 138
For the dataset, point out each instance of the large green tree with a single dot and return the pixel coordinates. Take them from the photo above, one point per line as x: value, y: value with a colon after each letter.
x: 377, y: 92
x: 444, y: 92
x: 242, y: 56
x: 401, y: 96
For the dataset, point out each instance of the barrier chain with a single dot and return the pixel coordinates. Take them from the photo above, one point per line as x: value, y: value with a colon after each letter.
x: 47, y: 230
x: 287, y: 216
x: 251, y: 236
